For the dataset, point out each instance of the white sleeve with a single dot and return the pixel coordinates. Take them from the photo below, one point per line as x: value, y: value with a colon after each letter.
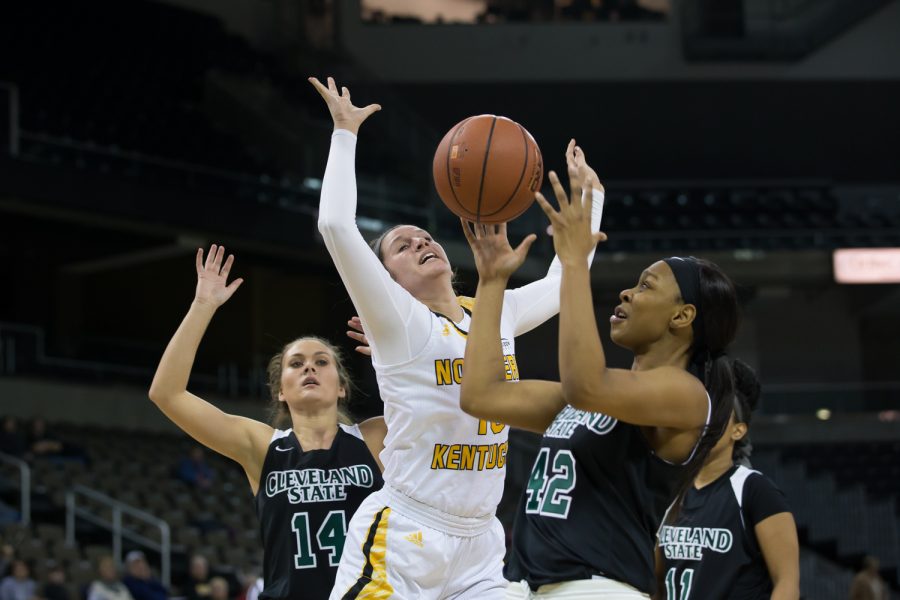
x: 534, y: 303
x: 396, y: 324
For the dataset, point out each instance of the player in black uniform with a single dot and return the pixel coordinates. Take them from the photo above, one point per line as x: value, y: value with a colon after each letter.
x: 619, y: 445
x: 735, y: 537
x: 309, y: 477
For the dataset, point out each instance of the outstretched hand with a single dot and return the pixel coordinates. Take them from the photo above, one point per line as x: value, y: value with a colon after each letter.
x: 359, y: 336
x: 576, y: 159
x: 344, y: 114
x: 495, y: 259
x: 212, y: 277
x: 573, y: 239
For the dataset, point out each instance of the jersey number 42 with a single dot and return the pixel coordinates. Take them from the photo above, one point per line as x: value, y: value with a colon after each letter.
x: 550, y: 484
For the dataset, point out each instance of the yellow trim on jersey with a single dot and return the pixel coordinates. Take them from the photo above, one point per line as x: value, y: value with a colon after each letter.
x: 373, y: 582
x: 466, y: 302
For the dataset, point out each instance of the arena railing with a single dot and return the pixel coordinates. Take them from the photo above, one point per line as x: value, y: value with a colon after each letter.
x: 164, y: 546
x: 24, y: 486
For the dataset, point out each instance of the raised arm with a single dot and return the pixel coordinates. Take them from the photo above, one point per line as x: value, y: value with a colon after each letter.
x: 395, y: 322
x: 534, y: 303
x: 239, y: 438
x: 484, y: 392
x: 663, y: 397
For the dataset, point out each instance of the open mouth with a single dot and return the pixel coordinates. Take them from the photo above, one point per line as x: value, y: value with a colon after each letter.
x: 310, y: 381
x: 618, y: 315
x: 426, y: 257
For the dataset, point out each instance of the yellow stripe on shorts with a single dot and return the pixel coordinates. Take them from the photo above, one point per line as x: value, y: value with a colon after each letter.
x: 372, y: 583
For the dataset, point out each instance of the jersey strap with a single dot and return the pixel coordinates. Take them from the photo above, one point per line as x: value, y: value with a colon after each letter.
x: 738, y: 479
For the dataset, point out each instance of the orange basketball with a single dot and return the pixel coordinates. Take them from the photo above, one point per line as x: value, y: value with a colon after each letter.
x: 487, y: 169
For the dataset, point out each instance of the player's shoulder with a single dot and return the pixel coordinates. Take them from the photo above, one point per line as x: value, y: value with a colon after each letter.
x: 748, y: 483
x: 352, y: 430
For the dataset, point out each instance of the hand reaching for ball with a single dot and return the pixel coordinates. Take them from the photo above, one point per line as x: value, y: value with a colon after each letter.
x: 344, y: 114
x: 575, y: 159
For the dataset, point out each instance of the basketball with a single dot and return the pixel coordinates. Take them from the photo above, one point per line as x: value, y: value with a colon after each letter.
x: 487, y: 169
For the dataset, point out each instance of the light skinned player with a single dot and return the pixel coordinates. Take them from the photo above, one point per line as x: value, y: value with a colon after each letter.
x: 310, y: 471
x: 431, y: 532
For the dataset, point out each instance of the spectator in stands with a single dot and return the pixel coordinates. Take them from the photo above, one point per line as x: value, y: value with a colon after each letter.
x: 12, y: 438
x: 40, y: 442
x: 194, y: 470
x: 251, y: 583
x: 868, y: 584
x: 139, y: 579
x: 218, y: 588
x: 7, y: 556
x: 198, y: 584
x: 55, y: 588
x: 108, y: 586
x: 18, y: 585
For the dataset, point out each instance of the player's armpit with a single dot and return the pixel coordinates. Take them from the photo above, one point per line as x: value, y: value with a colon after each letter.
x: 777, y: 536
x: 374, y: 431
x: 529, y: 404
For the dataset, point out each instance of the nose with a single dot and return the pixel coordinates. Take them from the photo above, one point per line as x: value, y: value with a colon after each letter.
x: 625, y: 295
x: 420, y: 241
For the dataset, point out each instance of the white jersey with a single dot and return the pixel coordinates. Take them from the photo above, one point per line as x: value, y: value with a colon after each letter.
x: 434, y: 452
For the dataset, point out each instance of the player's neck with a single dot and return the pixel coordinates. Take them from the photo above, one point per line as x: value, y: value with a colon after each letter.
x: 715, y: 467
x: 445, y: 303
x: 315, y: 432
x: 667, y: 352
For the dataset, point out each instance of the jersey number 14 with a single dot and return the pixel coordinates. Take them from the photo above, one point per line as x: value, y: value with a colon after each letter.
x: 550, y: 484
x: 330, y: 537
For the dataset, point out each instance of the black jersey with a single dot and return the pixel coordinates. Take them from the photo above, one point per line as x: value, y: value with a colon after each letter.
x: 304, y: 502
x: 593, y: 504
x: 711, y: 551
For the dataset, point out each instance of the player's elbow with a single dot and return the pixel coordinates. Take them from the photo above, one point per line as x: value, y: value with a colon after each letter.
x: 159, y: 394
x: 331, y: 225
x: 468, y: 401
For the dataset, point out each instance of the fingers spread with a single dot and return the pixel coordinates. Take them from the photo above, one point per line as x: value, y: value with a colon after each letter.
x: 545, y: 206
x: 211, y: 257
x: 199, y: 259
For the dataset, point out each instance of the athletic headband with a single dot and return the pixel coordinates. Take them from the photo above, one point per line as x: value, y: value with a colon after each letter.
x: 687, y: 276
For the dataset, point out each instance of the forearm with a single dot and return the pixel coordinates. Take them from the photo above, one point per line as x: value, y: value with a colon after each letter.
x: 393, y: 320
x: 483, y: 364
x: 177, y: 361
x: 786, y: 590
x: 581, y: 358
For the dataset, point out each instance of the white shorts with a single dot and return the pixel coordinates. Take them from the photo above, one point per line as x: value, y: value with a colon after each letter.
x: 390, y: 554
x: 583, y: 589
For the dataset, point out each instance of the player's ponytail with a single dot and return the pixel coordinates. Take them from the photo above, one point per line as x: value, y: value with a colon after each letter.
x: 279, y: 413
x: 714, y: 329
x: 746, y: 397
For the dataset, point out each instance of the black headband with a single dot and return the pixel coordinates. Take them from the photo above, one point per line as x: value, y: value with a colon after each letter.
x: 687, y: 275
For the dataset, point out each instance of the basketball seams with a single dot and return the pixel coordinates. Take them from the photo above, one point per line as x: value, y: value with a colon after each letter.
x: 465, y: 196
x: 487, y: 154
x: 521, y: 176
x: 459, y: 128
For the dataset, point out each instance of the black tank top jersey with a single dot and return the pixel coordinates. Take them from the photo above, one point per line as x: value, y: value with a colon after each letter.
x: 711, y: 551
x: 304, y: 503
x: 593, y: 504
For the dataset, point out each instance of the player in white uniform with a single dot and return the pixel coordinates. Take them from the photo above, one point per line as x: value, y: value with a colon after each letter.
x: 431, y: 531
